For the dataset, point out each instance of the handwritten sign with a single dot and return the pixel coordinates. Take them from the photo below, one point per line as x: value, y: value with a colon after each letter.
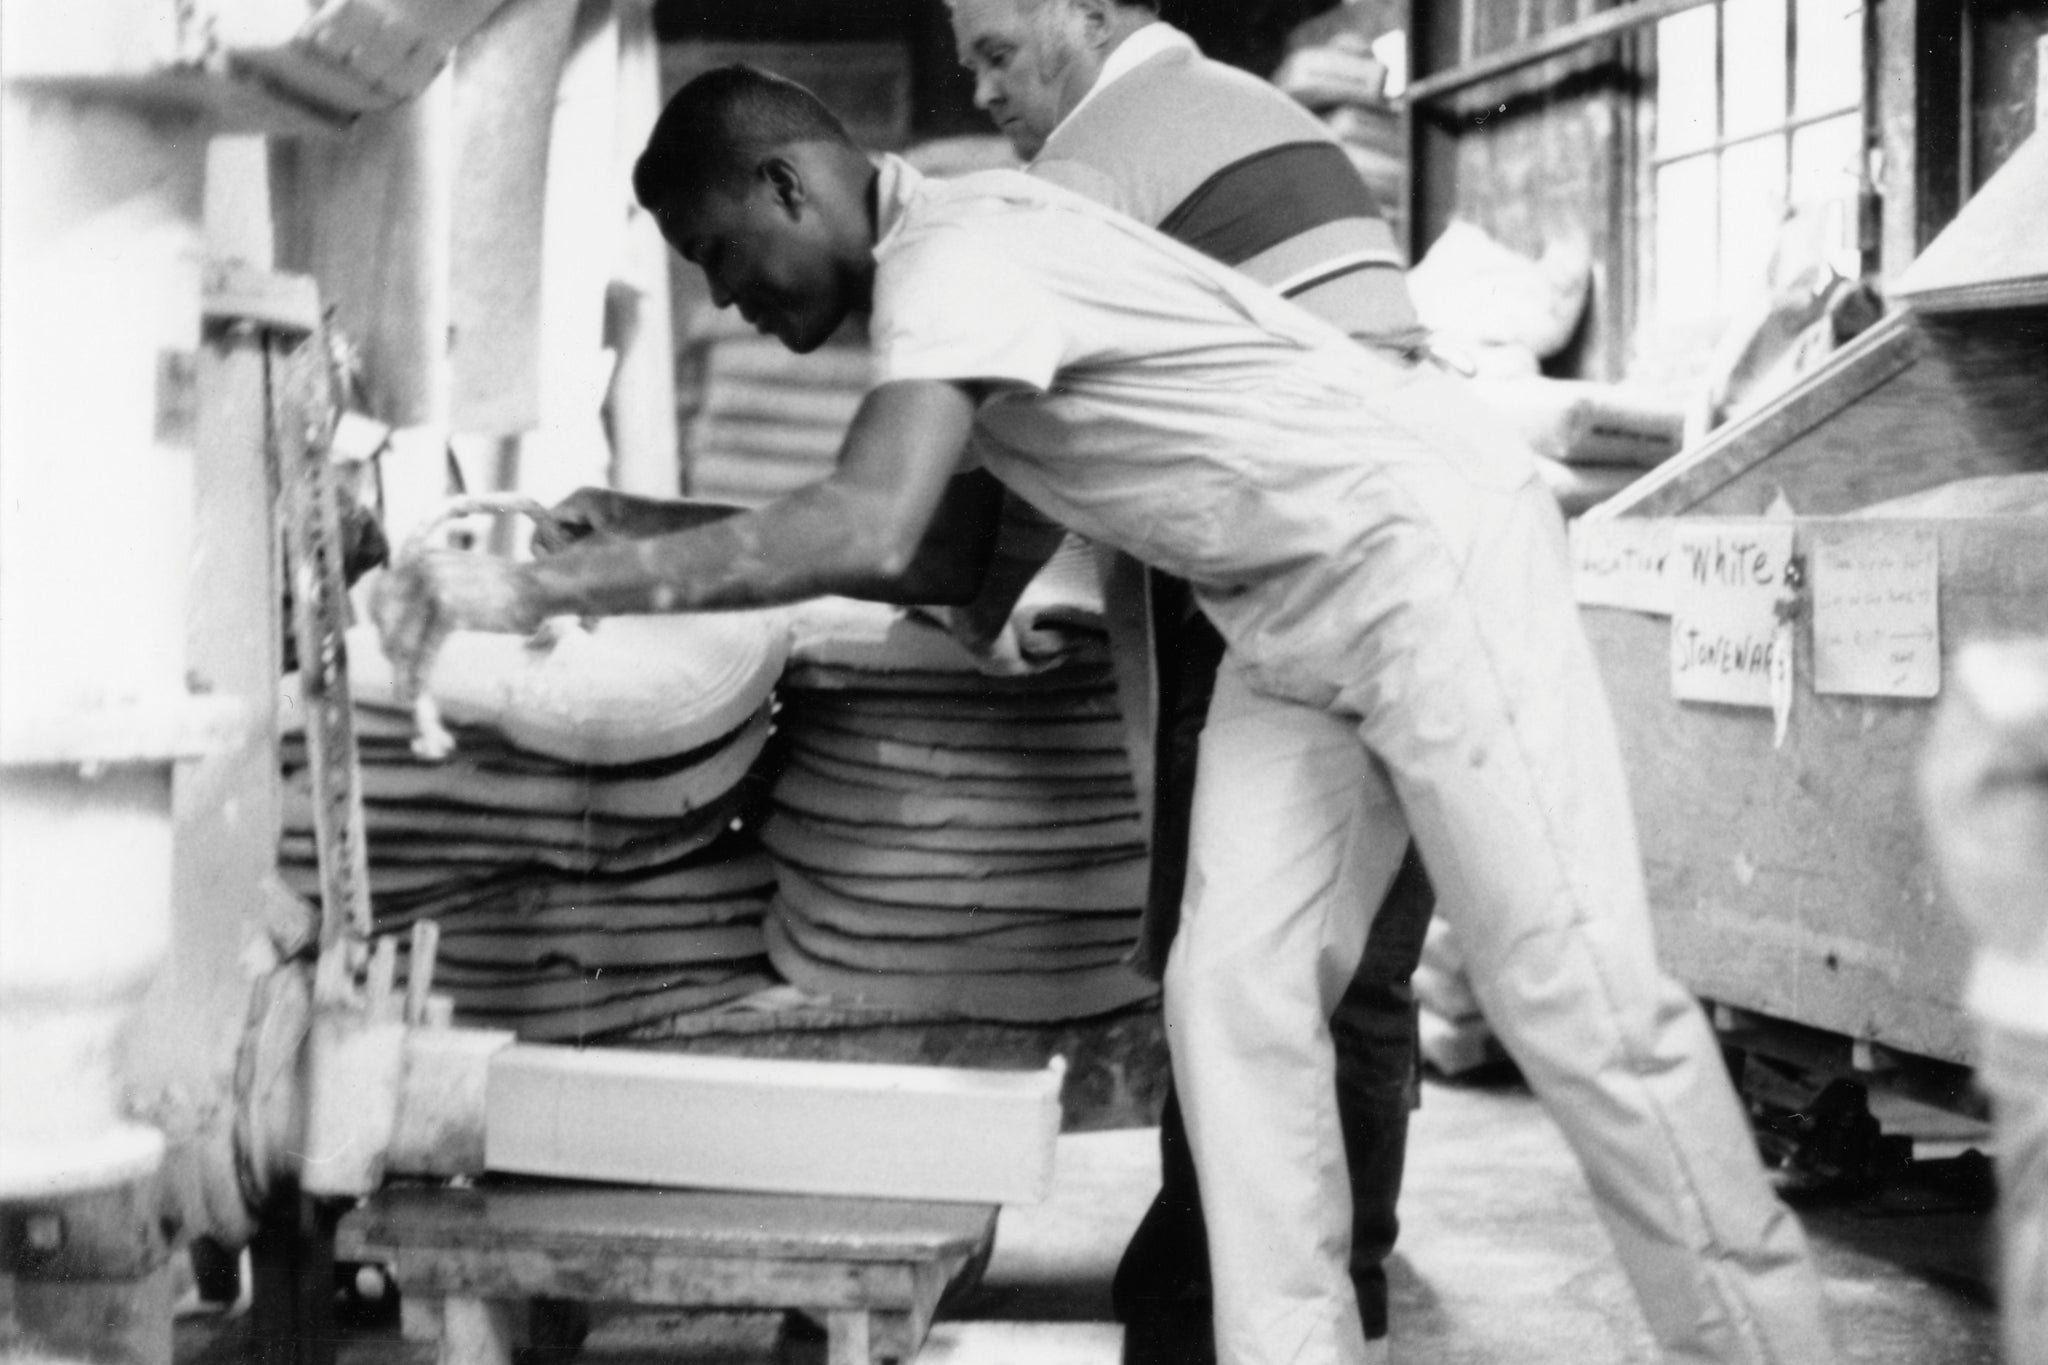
x: 1876, y: 611
x: 1622, y: 563
x: 1728, y: 578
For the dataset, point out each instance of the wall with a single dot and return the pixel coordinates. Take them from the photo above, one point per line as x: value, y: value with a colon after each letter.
x: 1247, y: 33
x: 2004, y: 71
x: 1545, y: 152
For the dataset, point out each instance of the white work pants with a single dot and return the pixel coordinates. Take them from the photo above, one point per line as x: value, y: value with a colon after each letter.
x: 1463, y: 705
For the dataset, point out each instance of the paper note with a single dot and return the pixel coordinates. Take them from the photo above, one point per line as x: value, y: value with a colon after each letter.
x: 1784, y: 655
x: 1622, y: 563
x: 1876, y: 611
x: 1728, y: 579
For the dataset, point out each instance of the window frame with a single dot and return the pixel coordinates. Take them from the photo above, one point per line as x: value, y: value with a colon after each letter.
x: 1648, y: 325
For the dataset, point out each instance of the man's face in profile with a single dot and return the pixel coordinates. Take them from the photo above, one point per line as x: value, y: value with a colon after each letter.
x: 761, y: 247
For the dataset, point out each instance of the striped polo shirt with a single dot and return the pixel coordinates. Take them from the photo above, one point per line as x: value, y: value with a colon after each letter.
x: 1225, y: 163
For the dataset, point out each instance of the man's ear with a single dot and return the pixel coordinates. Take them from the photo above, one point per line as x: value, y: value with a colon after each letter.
x: 785, y: 182
x: 1094, y: 16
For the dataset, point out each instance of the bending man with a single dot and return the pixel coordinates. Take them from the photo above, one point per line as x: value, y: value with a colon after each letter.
x: 1103, y: 98
x: 1402, y: 654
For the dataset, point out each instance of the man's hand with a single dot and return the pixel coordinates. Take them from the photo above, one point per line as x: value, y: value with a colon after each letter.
x: 1984, y: 786
x: 424, y: 596
x: 1010, y: 651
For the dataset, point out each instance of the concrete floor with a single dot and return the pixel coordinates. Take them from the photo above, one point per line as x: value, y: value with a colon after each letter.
x: 1500, y: 1260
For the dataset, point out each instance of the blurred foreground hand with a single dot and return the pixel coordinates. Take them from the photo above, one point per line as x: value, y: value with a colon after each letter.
x: 1984, y: 783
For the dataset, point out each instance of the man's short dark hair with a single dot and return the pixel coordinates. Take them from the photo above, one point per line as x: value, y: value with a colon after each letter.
x: 716, y: 130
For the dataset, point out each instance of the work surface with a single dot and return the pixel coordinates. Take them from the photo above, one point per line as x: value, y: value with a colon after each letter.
x: 671, y: 1222
x: 470, y: 1262
x: 1501, y: 1260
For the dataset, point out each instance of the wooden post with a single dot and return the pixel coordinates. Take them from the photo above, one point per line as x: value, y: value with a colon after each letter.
x: 1917, y: 93
x: 292, y: 1322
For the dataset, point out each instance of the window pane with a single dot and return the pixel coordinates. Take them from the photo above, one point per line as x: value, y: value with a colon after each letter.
x: 1753, y: 68
x: 1828, y: 71
x: 1752, y: 208
x: 1827, y: 160
x: 1685, y: 81
x: 1685, y: 240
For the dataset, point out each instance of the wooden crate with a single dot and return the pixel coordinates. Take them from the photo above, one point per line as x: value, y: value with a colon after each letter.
x: 1795, y: 881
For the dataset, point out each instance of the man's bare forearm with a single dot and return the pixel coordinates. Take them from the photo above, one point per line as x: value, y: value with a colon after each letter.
x: 815, y: 541
x: 891, y: 521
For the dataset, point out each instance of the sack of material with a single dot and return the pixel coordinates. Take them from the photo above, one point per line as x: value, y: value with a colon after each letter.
x: 1576, y: 422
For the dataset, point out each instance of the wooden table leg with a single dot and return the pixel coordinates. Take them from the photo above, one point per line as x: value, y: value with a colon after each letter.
x: 292, y: 1312
x: 847, y: 1337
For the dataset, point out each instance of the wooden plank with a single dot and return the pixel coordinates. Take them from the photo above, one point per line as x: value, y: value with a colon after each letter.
x: 901, y: 1132
x: 1918, y: 97
x: 1994, y: 255
x: 1556, y: 43
x: 238, y: 292
x: 600, y: 1275
x: 1967, y: 402
x: 569, y: 1220
x: 1794, y: 881
x: 228, y: 104
x: 697, y: 1249
x: 1691, y: 477
x: 1116, y: 1066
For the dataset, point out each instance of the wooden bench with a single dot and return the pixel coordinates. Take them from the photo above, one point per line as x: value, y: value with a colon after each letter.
x: 468, y: 1262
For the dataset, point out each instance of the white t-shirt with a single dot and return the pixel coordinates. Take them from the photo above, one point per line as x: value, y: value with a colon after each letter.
x: 1146, y: 396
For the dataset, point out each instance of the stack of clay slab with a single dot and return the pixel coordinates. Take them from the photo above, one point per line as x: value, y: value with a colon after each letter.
x: 582, y: 850
x: 949, y: 843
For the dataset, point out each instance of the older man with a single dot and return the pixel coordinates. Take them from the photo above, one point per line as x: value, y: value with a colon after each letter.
x: 1402, y: 652
x: 1106, y: 99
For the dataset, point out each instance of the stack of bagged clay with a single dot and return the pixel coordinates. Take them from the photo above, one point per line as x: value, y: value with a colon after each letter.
x: 770, y: 420
x: 1591, y: 440
x: 949, y: 842
x: 579, y: 847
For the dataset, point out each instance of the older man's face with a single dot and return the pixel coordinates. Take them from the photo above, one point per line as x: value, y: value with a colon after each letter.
x: 1030, y: 68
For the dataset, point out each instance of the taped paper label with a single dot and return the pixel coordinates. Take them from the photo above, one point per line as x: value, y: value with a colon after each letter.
x: 1877, y: 611
x: 1729, y: 577
x: 1623, y: 563
x: 1783, y: 658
